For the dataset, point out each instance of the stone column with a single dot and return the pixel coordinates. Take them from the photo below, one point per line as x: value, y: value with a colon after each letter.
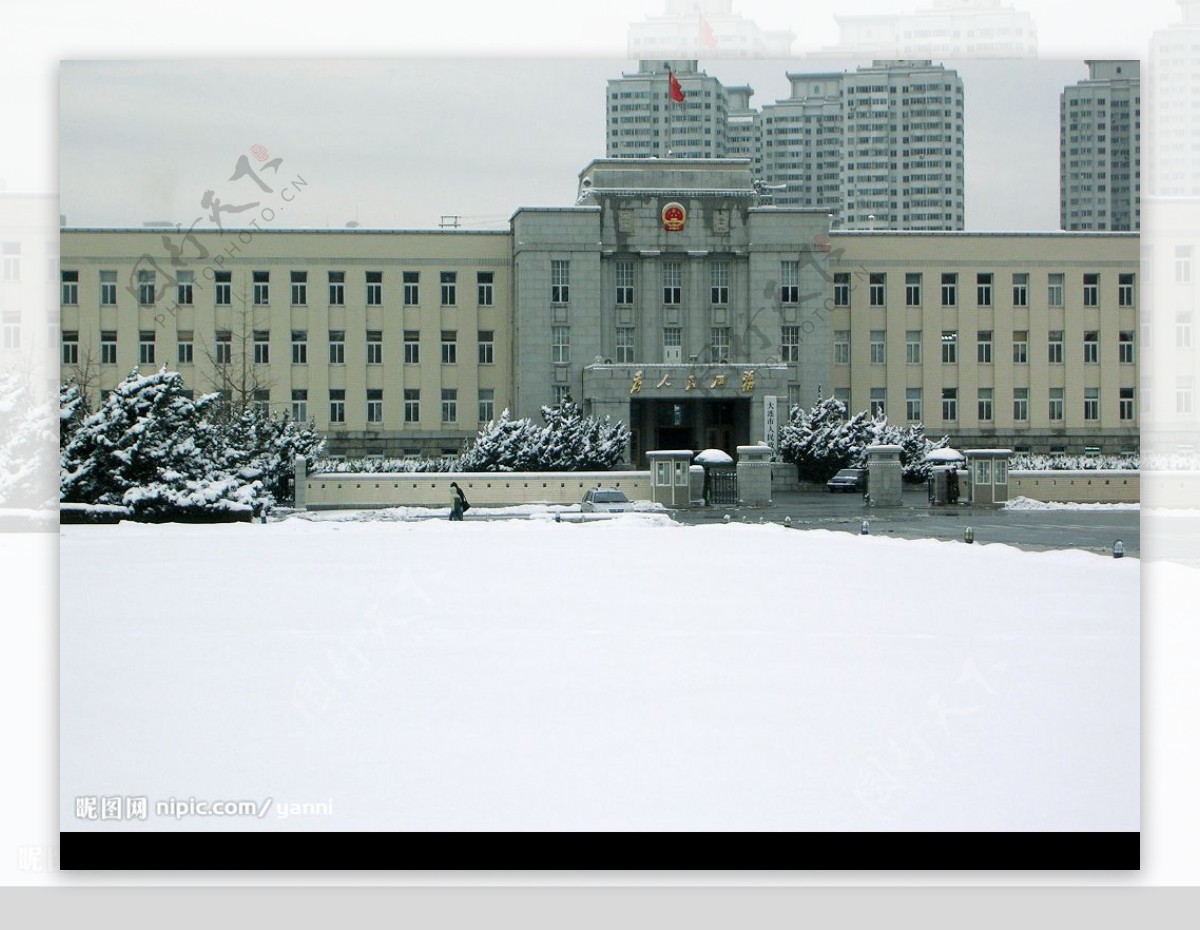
x: 754, y: 475
x: 301, y: 478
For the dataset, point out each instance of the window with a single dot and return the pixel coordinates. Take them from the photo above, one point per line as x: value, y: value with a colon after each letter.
x: 878, y: 289
x: 1020, y: 404
x: 878, y: 348
x: 562, y: 394
x: 262, y: 288
x: 984, y: 346
x: 1125, y: 290
x: 1020, y: 347
x: 299, y: 347
x: 1054, y: 294
x: 912, y: 347
x: 1055, y: 347
x: 146, y: 347
x: 299, y: 288
x: 224, y: 346
x: 374, y: 347
x: 878, y: 401
x: 484, y: 287
x: 145, y: 278
x: 912, y: 289
x: 449, y: 347
x: 300, y: 405
x: 337, y: 288
x: 412, y: 288
x: 1056, y: 404
x: 624, y: 345
x: 841, y: 347
x: 1091, y: 403
x: 412, y: 405
x: 70, y: 348
x: 1126, y: 408
x: 12, y: 261
x: 337, y: 405
x: 1183, y: 263
x: 949, y: 289
x: 262, y: 402
x: 560, y: 344
x: 1020, y: 290
x: 560, y: 281
x: 374, y: 405
x: 718, y: 276
x: 1091, y: 290
x: 949, y: 404
x: 12, y: 329
x: 985, y: 404
x: 912, y: 404
x: 222, y: 288
x: 412, y: 347
x: 624, y: 283
x: 1091, y: 348
x: 262, y: 347
x: 789, y: 343
x: 108, y: 347
x: 487, y: 405
x: 1125, y: 347
x: 843, y: 395
x: 184, y: 288
x: 70, y: 288
x: 337, y: 347
x: 794, y: 395
x: 841, y: 289
x: 487, y: 346
x: 1183, y: 394
x: 789, y: 282
x: 449, y: 288
x: 672, y: 336
x: 108, y: 288
x: 949, y: 347
x: 672, y: 282
x: 720, y: 343
x: 374, y: 288
x: 449, y: 405
x: 983, y: 288
x: 1183, y: 329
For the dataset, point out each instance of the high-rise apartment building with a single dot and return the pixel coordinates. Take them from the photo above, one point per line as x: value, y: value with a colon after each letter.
x: 709, y: 28
x: 948, y: 28
x: 645, y: 122
x: 1100, y: 149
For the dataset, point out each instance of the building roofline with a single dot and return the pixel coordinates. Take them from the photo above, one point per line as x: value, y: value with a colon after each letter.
x: 309, y: 230
x: 963, y: 233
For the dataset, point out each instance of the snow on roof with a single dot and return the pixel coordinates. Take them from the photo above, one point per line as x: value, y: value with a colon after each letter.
x: 714, y: 457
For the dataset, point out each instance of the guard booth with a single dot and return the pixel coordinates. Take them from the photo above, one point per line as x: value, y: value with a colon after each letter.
x: 988, y: 473
x: 670, y: 477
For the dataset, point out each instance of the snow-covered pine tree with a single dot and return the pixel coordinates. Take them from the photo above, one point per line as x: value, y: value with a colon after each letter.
x: 26, y: 438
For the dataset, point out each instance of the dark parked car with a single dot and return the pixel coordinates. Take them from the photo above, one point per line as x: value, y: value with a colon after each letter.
x: 848, y: 479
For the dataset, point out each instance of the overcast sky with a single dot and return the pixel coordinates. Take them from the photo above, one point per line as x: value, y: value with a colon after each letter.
x: 400, y: 143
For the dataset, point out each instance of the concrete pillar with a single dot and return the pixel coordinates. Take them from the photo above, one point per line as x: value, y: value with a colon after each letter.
x: 301, y: 478
x: 884, y: 476
x: 754, y: 475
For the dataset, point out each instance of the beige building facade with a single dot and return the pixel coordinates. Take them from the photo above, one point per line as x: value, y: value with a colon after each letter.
x: 669, y: 297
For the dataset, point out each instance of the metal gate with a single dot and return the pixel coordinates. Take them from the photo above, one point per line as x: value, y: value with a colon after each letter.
x: 724, y: 486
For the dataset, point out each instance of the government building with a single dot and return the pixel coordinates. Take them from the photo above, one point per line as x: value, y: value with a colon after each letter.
x: 673, y: 295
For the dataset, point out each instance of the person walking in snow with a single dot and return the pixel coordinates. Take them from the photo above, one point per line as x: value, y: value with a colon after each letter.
x: 458, y: 501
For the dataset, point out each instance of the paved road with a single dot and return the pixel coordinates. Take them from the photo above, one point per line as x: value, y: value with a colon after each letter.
x: 1094, y: 530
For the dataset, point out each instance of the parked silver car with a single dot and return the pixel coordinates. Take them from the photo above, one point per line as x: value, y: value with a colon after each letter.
x: 605, y: 500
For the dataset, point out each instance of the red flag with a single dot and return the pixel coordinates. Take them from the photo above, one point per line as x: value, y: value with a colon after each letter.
x: 676, y: 90
x: 706, y: 34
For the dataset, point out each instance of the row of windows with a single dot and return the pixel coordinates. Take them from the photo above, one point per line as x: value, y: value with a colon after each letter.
x: 985, y: 404
x: 486, y: 406
x: 148, y: 290
x: 983, y: 347
x: 261, y: 347
x: 985, y: 283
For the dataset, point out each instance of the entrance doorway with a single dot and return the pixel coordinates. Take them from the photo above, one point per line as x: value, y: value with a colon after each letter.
x: 689, y: 423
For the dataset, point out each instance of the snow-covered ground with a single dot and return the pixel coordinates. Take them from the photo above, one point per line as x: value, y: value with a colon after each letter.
x: 1028, y: 503
x: 622, y: 674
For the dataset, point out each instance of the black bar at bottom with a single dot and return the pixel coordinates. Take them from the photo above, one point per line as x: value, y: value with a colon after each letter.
x: 162, y: 850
